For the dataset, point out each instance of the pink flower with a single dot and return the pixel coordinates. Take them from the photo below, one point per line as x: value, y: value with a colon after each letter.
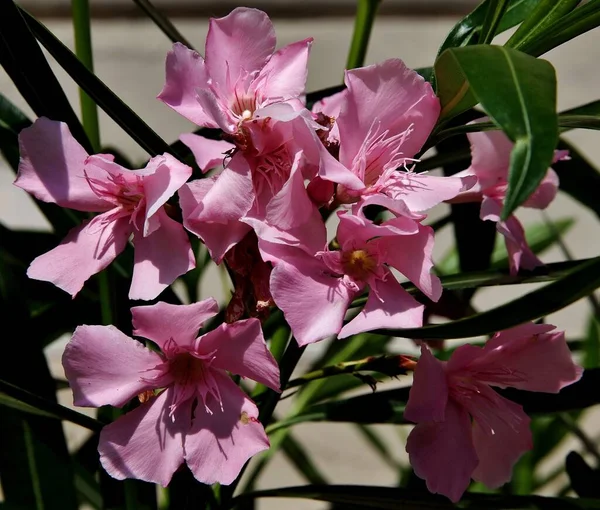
x: 240, y: 74
x: 315, y: 289
x: 191, y: 410
x: 265, y: 182
x: 55, y: 168
x: 383, y: 119
x: 464, y: 428
x: 490, y: 151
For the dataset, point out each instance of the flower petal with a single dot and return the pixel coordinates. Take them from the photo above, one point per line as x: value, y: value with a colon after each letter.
x: 186, y: 72
x: 218, y: 237
x: 545, y: 192
x: 163, y: 321
x: 529, y: 357
x: 240, y: 348
x: 146, y: 443
x: 429, y: 393
x: 388, y: 306
x: 160, y: 258
x: 106, y: 367
x: 284, y: 75
x: 412, y: 256
x: 207, y: 153
x: 500, y: 434
x: 238, y: 43
x: 219, y: 444
x: 51, y: 167
x: 86, y: 250
x: 490, y: 156
x: 313, y: 303
x: 442, y: 453
x: 519, y: 253
x: 392, y: 95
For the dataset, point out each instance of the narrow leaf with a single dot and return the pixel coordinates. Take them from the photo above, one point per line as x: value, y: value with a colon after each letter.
x: 495, y: 11
x: 536, y: 24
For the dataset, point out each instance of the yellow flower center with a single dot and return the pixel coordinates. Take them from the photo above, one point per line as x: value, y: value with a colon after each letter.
x: 358, y: 264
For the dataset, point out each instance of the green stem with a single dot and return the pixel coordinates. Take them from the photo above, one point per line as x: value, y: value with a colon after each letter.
x: 83, y: 50
x: 363, y: 23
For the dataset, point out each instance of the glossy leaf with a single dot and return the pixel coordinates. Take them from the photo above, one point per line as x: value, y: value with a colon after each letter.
x: 591, y: 356
x: 466, y: 31
x: 576, y: 284
x: 577, y: 22
x: 491, y: 22
x: 592, y: 108
x: 388, y: 498
x: 536, y: 24
x: 519, y: 93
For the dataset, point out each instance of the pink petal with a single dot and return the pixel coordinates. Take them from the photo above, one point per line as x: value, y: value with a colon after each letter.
x: 412, y: 256
x: 164, y: 175
x: 421, y: 192
x: 240, y: 348
x: 231, y: 197
x: 146, y: 443
x: 528, y: 357
x: 391, y: 95
x: 219, y: 444
x: 162, y: 322
x: 106, y: 367
x: 520, y: 255
x: 217, y: 110
x: 313, y: 303
x: 284, y: 75
x: 51, y: 167
x: 545, y: 193
x: 500, y: 435
x: 429, y: 392
x: 331, y: 105
x: 160, y: 258
x: 490, y: 156
x: 207, y: 153
x: 238, y: 43
x: 86, y: 250
x: 442, y: 453
x: 388, y: 306
x: 354, y: 231
x: 218, y: 237
x: 186, y: 72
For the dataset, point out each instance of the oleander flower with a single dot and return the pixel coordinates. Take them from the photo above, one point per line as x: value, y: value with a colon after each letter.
x: 55, y: 168
x: 190, y: 411
x: 467, y: 430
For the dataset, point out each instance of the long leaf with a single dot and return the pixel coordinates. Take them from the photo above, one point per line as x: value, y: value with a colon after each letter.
x: 575, y: 285
x: 98, y: 91
x: 519, y: 93
x: 27, y: 67
x: 545, y: 13
x: 491, y: 22
x: 577, y: 22
x: 388, y: 498
x: 466, y: 31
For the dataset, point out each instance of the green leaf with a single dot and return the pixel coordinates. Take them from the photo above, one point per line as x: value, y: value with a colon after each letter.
x: 162, y: 22
x: 579, y: 178
x: 536, y: 24
x: 18, y: 398
x: 466, y: 31
x: 298, y: 456
x: 539, y: 237
x: 592, y: 108
x: 24, y: 62
x: 11, y: 116
x: 575, y: 285
x: 519, y: 93
x: 99, y: 92
x: 577, y: 22
x: 491, y: 22
x: 567, y: 122
x: 591, y: 355
x: 388, y: 498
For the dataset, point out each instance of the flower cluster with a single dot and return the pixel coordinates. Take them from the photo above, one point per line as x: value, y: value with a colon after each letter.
x: 278, y: 173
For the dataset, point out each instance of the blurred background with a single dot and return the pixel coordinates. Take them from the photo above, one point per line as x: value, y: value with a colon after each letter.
x: 129, y: 53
